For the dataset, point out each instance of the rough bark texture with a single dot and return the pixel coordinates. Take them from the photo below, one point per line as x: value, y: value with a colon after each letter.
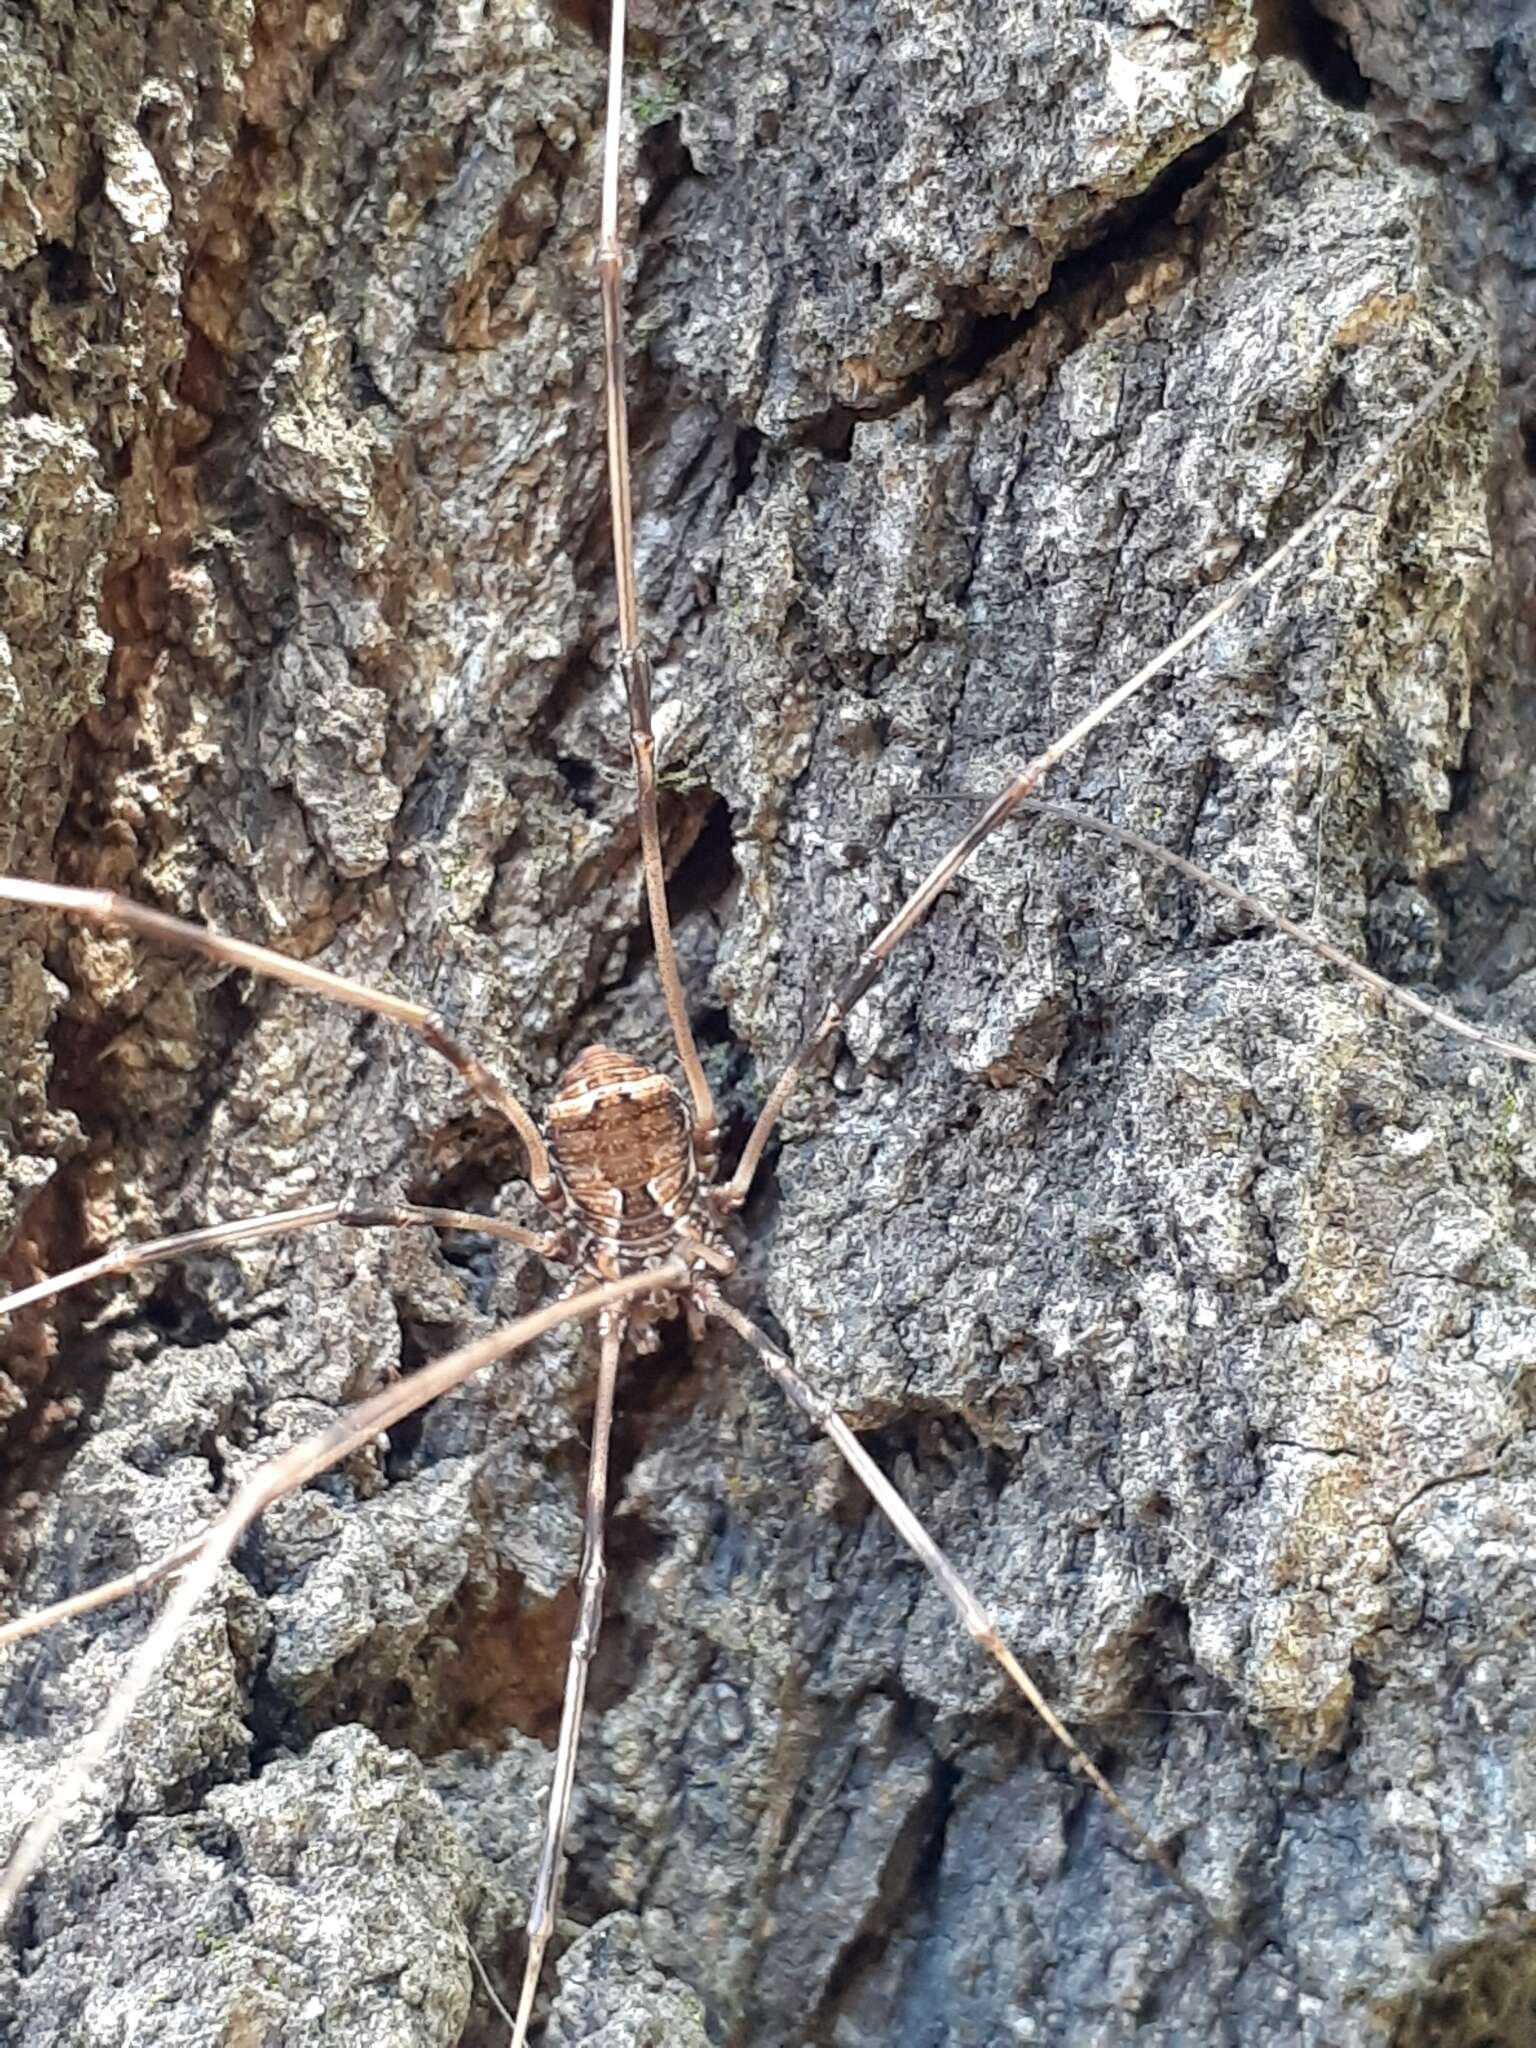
x: 1189, y: 1299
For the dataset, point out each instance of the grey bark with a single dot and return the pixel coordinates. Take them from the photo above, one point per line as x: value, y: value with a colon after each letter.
x: 1188, y: 1297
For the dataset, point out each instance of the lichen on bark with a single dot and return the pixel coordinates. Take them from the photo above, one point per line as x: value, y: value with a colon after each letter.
x: 1187, y: 1296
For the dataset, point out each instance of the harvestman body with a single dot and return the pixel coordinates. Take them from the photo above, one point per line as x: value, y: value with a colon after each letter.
x: 627, y: 1167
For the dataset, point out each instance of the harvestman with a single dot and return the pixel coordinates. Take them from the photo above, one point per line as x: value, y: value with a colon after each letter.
x: 627, y: 1166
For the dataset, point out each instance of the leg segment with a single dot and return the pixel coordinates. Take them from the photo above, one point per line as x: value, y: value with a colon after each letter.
x: 634, y: 665
x: 201, y: 1562
x: 1254, y: 906
x: 103, y: 906
x: 973, y: 1616
x: 274, y: 1223
x: 546, y: 1890
x: 870, y: 964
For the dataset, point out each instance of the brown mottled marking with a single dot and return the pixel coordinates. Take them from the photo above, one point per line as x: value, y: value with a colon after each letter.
x: 621, y: 1139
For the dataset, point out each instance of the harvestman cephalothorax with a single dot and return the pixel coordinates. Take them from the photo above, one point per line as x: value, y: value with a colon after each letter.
x: 628, y: 1165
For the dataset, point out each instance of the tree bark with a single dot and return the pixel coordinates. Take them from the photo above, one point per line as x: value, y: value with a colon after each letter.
x: 1188, y: 1297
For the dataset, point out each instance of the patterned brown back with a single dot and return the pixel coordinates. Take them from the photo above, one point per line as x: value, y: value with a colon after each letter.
x: 622, y: 1142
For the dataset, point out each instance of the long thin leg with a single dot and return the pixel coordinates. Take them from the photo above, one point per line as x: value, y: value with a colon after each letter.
x: 250, y: 1230
x: 139, y: 1580
x: 634, y: 663
x: 589, y: 1619
x: 274, y: 1223
x: 1255, y: 906
x: 867, y: 969
x: 104, y: 906
x: 974, y: 1618
x: 316, y: 1454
